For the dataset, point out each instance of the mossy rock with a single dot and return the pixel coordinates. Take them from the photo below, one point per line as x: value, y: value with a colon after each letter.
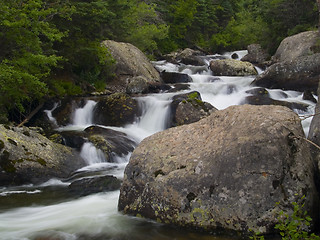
x: 109, y: 141
x: 33, y: 158
x: 117, y: 109
x: 188, y: 108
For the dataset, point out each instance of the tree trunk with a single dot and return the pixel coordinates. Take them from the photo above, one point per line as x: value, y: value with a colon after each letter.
x: 318, y: 1
x: 33, y: 113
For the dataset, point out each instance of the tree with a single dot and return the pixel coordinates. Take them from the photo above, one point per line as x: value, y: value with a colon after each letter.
x: 26, y: 54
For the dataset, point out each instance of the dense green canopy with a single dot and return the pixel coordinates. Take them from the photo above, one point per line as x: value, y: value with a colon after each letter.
x: 52, y: 47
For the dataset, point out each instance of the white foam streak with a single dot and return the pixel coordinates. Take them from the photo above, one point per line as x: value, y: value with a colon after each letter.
x: 7, y: 193
x: 54, y: 182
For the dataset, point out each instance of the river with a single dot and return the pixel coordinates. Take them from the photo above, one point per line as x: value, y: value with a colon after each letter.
x: 48, y: 212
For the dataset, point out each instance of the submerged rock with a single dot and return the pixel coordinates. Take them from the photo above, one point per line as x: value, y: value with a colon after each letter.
x: 231, y: 67
x: 89, y: 186
x: 28, y: 157
x: 261, y: 96
x: 226, y: 171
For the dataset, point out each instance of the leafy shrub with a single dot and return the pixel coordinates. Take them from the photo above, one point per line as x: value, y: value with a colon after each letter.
x: 295, y: 226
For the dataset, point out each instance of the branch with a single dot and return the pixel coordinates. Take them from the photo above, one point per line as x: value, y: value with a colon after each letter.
x: 309, y: 141
x: 31, y: 114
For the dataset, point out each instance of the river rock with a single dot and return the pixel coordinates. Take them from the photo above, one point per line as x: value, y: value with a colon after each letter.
x: 256, y: 55
x: 187, y: 56
x: 314, y: 136
x: 87, y: 186
x: 28, y: 157
x: 137, y: 85
x: 261, y: 96
x: 158, y: 87
x: 110, y: 141
x: 117, y: 109
x: 175, y: 77
x: 308, y: 95
x: 300, y: 74
x: 130, y: 62
x: 293, y: 47
x: 232, y: 67
x: 73, y: 139
x: 226, y: 171
x: 62, y: 111
x: 189, y: 108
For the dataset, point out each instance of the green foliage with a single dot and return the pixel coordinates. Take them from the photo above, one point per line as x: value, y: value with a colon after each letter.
x: 295, y: 226
x: 282, y: 18
x: 242, y: 30
x: 61, y: 88
x: 39, y: 39
x: 256, y: 235
x: 26, y: 56
x: 146, y: 30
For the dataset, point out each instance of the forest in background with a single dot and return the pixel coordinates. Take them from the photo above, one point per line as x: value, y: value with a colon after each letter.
x: 52, y: 47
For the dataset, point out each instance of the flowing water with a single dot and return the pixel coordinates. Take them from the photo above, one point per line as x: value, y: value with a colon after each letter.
x: 48, y: 212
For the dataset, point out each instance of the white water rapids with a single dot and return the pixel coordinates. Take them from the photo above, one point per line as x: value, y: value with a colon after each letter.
x: 96, y: 216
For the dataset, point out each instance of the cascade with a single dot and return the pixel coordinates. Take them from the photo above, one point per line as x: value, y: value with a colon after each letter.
x: 83, y: 116
x: 49, y: 114
x: 96, y: 216
x: 91, y: 154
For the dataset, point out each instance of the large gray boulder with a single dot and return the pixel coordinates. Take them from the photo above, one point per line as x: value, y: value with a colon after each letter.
x: 28, y: 157
x: 299, y: 74
x: 232, y: 67
x: 130, y: 62
x: 297, y: 64
x: 226, y: 171
x: 295, y: 46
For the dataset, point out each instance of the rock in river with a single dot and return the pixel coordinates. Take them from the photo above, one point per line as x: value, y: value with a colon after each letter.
x: 232, y: 67
x: 28, y: 157
x: 226, y: 171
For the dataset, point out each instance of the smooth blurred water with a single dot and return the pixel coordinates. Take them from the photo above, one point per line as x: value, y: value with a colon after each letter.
x: 49, y: 212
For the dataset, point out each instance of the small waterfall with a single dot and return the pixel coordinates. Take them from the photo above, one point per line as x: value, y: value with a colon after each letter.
x: 155, y: 113
x: 96, y: 216
x: 83, y: 116
x: 91, y: 154
x: 49, y: 114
